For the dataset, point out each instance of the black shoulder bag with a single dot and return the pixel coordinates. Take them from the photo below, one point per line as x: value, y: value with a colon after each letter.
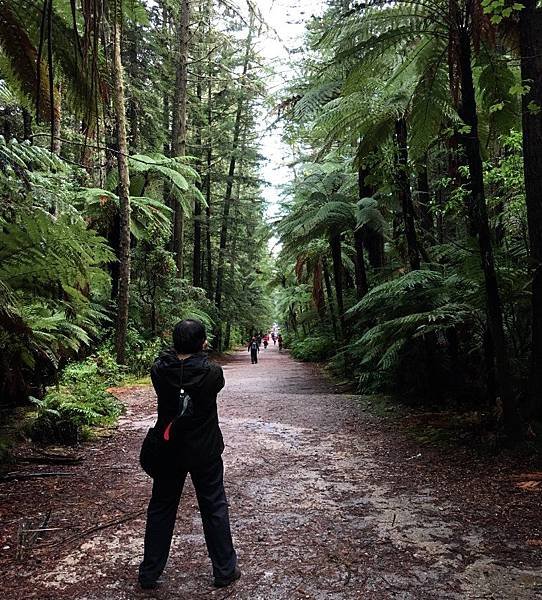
x: 158, y: 455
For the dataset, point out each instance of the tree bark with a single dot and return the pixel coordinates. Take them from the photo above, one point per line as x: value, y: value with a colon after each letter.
x: 208, y: 177
x: 133, y: 107
x: 27, y: 125
x: 336, y: 255
x: 329, y: 293
x: 362, y: 286
x: 229, y: 181
x: 480, y: 226
x: 178, y: 128
x: 123, y: 193
x: 196, y: 254
x: 405, y: 194
x: 530, y: 26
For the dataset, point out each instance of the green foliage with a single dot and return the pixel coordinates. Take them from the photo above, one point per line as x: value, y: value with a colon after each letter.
x: 81, y: 401
x: 313, y: 348
x: 418, y: 306
x: 141, y: 352
x: 422, y: 333
x: 51, y: 273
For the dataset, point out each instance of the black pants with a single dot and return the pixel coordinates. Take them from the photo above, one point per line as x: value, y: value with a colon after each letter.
x: 209, y: 485
x: 254, y: 356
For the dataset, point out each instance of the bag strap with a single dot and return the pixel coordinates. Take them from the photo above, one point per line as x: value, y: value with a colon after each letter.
x: 180, y: 408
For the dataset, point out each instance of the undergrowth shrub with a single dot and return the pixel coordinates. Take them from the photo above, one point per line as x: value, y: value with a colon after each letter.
x: 312, y: 348
x: 141, y: 352
x: 80, y: 401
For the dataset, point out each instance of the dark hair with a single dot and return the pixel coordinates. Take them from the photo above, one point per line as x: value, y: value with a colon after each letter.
x: 189, y: 336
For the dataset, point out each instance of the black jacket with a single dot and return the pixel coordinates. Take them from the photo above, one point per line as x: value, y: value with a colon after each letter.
x: 197, y: 438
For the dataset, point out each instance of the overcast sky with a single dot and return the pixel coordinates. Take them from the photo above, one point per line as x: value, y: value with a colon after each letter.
x: 287, y: 18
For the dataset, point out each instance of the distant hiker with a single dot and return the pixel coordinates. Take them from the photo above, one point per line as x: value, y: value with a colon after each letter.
x: 274, y: 338
x: 265, y: 341
x: 280, y: 341
x: 254, y: 348
x: 186, y: 439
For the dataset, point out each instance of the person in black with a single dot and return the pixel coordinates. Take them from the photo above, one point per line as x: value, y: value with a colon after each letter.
x: 254, y: 348
x: 185, y: 372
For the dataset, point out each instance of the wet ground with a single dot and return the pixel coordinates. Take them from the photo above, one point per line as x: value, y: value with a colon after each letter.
x: 327, y: 502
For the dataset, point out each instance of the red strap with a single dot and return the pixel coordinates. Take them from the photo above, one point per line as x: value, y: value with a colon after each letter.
x: 166, y: 432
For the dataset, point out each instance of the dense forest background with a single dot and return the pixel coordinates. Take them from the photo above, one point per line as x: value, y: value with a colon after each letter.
x: 130, y: 193
x: 131, y: 196
x: 412, y: 226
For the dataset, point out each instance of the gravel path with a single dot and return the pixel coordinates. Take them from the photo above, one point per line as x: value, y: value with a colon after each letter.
x: 326, y: 500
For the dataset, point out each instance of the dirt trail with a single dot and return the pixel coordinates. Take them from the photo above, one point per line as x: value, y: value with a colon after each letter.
x: 326, y: 502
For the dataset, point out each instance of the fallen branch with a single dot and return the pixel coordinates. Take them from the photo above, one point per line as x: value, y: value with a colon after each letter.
x: 25, y: 541
x: 52, y: 459
x: 23, y: 476
x: 96, y: 528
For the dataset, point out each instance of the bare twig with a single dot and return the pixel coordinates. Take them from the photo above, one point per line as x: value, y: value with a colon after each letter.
x: 22, y: 476
x: 96, y: 528
x: 24, y: 541
x: 56, y: 459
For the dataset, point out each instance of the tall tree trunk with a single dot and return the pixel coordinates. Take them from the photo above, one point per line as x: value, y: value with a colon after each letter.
x: 329, y: 294
x: 362, y: 286
x: 208, y: 179
x: 373, y: 241
x: 133, y: 107
x: 531, y: 73
x: 336, y: 255
x: 231, y: 174
x: 480, y: 226
x: 405, y: 193
x: 196, y: 254
x: 56, y: 143
x: 231, y: 275
x: 27, y: 125
x: 123, y: 193
x: 178, y: 128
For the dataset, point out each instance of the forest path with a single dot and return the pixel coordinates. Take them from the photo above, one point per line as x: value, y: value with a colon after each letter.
x: 326, y: 502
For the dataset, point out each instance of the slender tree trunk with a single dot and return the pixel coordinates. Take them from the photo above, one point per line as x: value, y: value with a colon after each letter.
x: 480, y: 225
x: 208, y: 178
x: 178, y: 134
x: 329, y: 293
x: 196, y: 254
x: 231, y: 276
x: 362, y: 286
x: 208, y: 245
x: 123, y: 193
x: 227, y: 335
x: 207, y: 256
x: 336, y: 255
x: 374, y: 244
x: 373, y: 241
x: 133, y: 108
x: 56, y: 144
x: 27, y: 125
x: 231, y: 174
x: 318, y: 291
x: 405, y: 193
x: 531, y: 74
